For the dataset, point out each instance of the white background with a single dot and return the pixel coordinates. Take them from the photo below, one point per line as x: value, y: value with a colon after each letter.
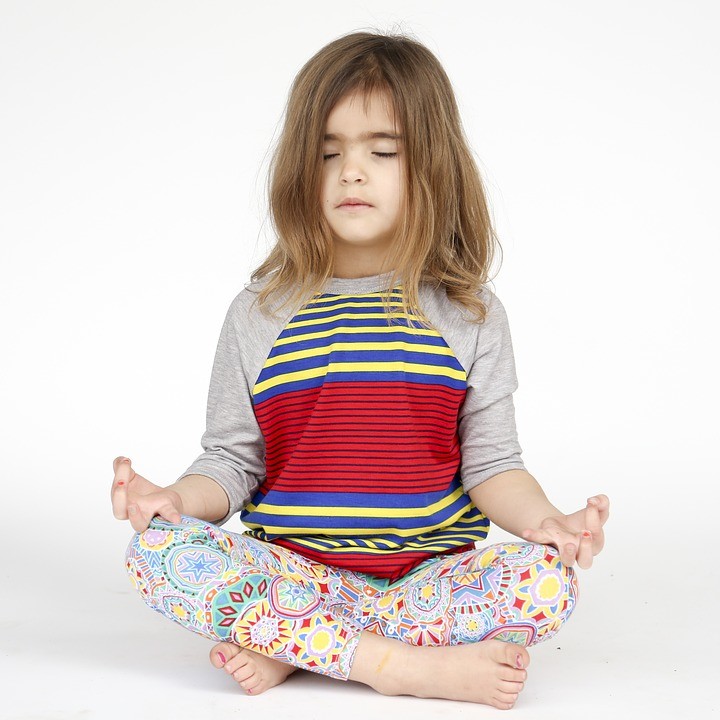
x: 134, y: 144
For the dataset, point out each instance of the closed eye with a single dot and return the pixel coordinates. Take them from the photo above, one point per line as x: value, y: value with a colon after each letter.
x: 379, y: 154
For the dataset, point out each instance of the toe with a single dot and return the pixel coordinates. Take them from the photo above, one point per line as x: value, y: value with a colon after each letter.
x: 221, y: 653
x: 240, y: 665
x: 510, y: 687
x: 255, y: 687
x: 502, y: 704
x: 506, y: 699
x: 520, y: 657
x: 512, y: 654
x: 241, y: 660
x: 244, y: 676
x: 511, y: 674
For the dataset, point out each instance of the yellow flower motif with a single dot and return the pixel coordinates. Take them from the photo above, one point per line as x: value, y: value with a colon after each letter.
x: 178, y: 611
x: 320, y: 642
x: 542, y: 591
x: 259, y: 629
x: 427, y: 592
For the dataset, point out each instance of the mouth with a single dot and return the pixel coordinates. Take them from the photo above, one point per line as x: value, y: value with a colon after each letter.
x: 354, y: 207
x: 353, y: 203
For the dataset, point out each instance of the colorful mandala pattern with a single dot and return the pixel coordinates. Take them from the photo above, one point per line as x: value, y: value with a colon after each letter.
x: 229, y: 586
x: 261, y: 630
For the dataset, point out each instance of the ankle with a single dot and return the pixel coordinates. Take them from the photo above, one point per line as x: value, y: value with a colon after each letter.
x: 384, y: 664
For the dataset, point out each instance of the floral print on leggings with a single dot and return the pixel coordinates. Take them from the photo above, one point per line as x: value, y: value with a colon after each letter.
x: 229, y: 586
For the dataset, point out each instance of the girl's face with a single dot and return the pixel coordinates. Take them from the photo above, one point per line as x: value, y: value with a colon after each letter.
x: 362, y: 159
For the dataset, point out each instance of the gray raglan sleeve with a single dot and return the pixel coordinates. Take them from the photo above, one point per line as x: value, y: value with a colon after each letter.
x: 488, y: 435
x: 233, y: 444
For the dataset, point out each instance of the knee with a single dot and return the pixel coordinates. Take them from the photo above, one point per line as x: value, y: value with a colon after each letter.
x: 182, y: 558
x: 145, y: 560
x: 557, y: 584
x: 566, y: 574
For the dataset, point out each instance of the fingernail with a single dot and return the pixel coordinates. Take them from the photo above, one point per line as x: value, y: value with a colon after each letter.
x: 222, y: 658
x: 587, y: 534
x: 121, y: 482
x: 518, y: 662
x: 249, y: 691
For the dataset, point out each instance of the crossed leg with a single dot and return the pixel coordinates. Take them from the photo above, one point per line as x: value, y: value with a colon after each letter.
x: 455, y: 628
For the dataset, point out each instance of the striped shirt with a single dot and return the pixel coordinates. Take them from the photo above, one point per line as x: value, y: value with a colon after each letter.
x: 364, y: 426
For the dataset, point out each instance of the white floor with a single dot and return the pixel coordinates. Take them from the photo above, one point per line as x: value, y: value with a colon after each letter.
x: 77, y: 642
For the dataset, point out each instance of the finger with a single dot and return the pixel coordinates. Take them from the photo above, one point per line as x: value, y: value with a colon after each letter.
x: 123, y: 470
x: 597, y: 507
x: 592, y: 518
x: 118, y: 490
x: 602, y: 503
x: 137, y: 517
x: 585, y: 550
x: 170, y: 513
x: 568, y: 553
x: 536, y: 535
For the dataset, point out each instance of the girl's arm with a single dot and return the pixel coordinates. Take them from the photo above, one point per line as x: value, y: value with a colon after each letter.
x: 514, y: 501
x: 202, y: 497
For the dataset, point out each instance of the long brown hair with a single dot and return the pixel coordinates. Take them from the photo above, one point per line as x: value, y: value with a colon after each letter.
x: 444, y: 234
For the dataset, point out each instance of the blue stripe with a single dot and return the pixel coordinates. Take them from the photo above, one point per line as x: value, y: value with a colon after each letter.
x: 287, y: 498
x: 418, y: 357
x: 339, y: 299
x: 400, y: 335
x: 362, y: 522
x: 347, y: 310
x: 335, y: 322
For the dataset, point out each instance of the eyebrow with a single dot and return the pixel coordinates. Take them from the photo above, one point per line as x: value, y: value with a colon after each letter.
x: 365, y: 136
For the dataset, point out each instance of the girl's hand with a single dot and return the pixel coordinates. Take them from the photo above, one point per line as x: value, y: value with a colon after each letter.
x: 578, y: 537
x: 137, y: 499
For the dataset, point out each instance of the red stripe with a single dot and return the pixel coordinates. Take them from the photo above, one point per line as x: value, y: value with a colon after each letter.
x: 333, y: 486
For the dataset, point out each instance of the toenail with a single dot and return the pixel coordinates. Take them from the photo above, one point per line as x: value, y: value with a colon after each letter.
x: 222, y: 658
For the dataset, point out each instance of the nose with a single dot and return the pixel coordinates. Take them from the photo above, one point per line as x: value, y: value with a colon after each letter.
x: 351, y: 170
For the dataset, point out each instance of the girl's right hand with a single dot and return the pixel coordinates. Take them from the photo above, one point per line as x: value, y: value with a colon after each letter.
x: 136, y: 499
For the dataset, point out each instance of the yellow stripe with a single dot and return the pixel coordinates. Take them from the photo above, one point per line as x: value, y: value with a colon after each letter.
x: 349, y: 346
x: 354, y: 330
x: 323, y: 511
x: 404, y: 532
x: 346, y: 316
x: 338, y: 367
x: 335, y: 296
x: 437, y: 547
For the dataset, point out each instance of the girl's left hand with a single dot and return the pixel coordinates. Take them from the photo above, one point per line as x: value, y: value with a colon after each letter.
x: 578, y: 537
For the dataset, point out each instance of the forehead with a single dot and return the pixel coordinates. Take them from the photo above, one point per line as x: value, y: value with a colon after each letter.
x: 362, y: 117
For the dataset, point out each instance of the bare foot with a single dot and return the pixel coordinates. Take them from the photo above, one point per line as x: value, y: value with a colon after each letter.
x: 484, y: 672
x: 254, y: 673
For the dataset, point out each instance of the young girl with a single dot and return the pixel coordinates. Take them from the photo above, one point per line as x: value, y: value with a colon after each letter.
x: 360, y: 418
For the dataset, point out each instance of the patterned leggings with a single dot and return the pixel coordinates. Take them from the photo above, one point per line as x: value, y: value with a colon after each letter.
x: 227, y: 586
